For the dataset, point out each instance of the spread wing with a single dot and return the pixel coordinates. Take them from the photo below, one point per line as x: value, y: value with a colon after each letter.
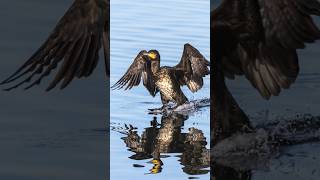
x: 140, y: 68
x: 74, y: 45
x: 191, y: 68
x: 269, y: 32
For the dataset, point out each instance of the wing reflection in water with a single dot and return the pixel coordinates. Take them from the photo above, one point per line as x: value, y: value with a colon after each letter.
x: 167, y: 137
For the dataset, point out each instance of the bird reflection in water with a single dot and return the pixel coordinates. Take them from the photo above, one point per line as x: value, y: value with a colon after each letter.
x: 167, y: 137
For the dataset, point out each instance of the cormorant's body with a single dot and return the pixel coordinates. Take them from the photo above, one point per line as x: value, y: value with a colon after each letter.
x: 190, y: 71
x: 168, y: 86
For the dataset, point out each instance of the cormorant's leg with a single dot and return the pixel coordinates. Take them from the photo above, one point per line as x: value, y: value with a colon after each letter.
x: 227, y: 117
x: 164, y: 101
x: 181, y: 99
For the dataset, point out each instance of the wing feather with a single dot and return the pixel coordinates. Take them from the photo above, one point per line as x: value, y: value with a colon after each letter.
x: 268, y: 40
x: 192, y: 68
x: 75, y: 43
x: 133, y: 75
x: 139, y: 69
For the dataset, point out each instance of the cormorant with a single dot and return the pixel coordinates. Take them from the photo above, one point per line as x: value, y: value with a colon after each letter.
x: 258, y: 39
x: 75, y: 43
x: 189, y: 71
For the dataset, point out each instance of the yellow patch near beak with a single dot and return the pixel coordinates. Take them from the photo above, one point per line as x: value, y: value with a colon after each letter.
x: 156, y: 162
x: 152, y: 55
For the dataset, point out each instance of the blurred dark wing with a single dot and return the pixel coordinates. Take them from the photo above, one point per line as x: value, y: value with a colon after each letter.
x: 288, y: 22
x: 106, y: 39
x: 191, y: 68
x: 140, y: 68
x: 75, y: 42
x: 273, y: 30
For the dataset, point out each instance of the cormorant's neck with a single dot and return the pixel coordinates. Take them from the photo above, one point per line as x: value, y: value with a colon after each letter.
x: 155, y: 66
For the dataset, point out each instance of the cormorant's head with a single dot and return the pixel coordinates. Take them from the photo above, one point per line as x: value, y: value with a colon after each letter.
x: 153, y: 55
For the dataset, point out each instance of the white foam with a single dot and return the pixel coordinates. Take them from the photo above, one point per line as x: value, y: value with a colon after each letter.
x: 188, y: 107
x: 248, y: 151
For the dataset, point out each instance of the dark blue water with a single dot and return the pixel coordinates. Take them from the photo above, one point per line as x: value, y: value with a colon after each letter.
x: 47, y: 135
x: 165, y: 26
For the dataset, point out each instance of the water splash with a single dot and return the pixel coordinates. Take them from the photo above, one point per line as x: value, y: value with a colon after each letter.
x: 185, y: 109
x: 248, y: 151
